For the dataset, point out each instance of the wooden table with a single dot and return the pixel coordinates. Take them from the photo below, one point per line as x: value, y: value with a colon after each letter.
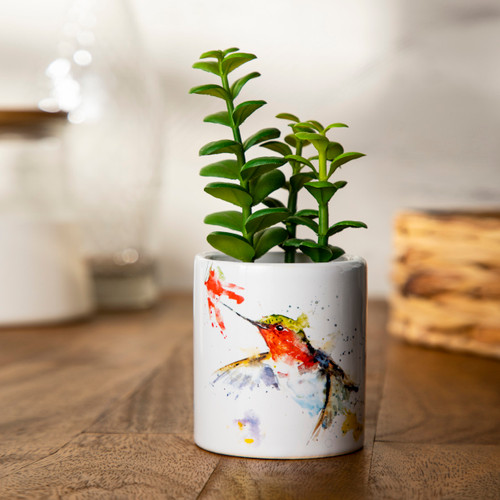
x: 102, y: 409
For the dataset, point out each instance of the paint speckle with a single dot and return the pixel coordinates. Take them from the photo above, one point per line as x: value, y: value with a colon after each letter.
x: 351, y: 424
x: 249, y: 426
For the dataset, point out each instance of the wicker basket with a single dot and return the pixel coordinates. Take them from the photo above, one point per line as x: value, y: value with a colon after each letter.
x: 446, y: 276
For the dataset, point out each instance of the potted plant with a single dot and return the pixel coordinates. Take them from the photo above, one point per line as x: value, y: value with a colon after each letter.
x: 279, y: 337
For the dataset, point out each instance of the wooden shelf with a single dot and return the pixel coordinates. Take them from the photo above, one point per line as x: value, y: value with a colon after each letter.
x: 103, y: 409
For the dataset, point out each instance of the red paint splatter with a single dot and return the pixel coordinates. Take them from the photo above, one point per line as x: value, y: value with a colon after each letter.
x: 216, y: 289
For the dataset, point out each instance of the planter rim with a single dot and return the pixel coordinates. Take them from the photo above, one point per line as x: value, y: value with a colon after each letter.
x: 345, y: 260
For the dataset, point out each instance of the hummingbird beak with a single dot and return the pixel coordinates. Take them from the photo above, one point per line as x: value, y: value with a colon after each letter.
x: 263, y: 326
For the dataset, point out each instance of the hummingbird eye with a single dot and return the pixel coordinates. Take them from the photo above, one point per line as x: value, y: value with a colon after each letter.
x: 279, y: 328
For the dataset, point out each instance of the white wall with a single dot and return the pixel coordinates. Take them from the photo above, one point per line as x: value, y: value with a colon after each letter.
x: 418, y: 83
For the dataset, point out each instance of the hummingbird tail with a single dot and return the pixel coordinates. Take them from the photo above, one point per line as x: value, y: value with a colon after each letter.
x: 337, y: 392
x: 326, y: 414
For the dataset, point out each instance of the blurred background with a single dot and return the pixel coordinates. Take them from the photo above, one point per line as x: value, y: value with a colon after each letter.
x: 418, y: 83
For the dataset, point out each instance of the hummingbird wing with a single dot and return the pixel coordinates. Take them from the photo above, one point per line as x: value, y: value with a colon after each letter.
x: 330, y: 367
x: 247, y: 373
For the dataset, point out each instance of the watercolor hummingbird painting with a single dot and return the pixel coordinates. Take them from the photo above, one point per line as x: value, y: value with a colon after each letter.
x: 292, y: 364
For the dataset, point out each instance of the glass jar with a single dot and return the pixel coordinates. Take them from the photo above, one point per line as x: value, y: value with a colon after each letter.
x: 43, y: 276
x: 101, y: 78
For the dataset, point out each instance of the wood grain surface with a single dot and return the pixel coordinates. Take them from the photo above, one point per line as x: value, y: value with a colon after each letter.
x: 103, y: 409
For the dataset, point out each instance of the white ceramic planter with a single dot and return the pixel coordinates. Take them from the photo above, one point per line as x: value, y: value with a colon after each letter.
x: 279, y: 356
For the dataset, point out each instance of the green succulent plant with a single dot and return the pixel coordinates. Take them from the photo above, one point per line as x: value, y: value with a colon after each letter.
x: 251, y: 182
x: 313, y: 174
x: 247, y: 181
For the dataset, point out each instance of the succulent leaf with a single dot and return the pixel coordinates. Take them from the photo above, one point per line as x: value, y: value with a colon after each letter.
x: 235, y: 60
x: 217, y: 54
x: 336, y: 252
x: 230, y: 219
x: 210, y: 89
x: 333, y: 150
x: 259, y: 166
x: 298, y: 181
x: 335, y: 125
x: 266, y: 184
x: 322, y: 190
x: 304, y: 221
x: 342, y: 159
x: 303, y: 127
x: 232, y: 193
x: 227, y: 169
x: 221, y: 118
x: 340, y: 226
x: 245, y: 109
x: 316, y: 139
x: 265, y: 218
x: 272, y: 202
x: 316, y: 125
x: 228, y: 51
x: 316, y: 252
x: 267, y: 239
x: 308, y: 213
x: 223, y: 146
x: 287, y: 116
x: 239, y: 84
x: 209, y: 66
x: 277, y: 146
x: 232, y: 244
x: 265, y: 134
x: 300, y: 159
x: 293, y: 242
